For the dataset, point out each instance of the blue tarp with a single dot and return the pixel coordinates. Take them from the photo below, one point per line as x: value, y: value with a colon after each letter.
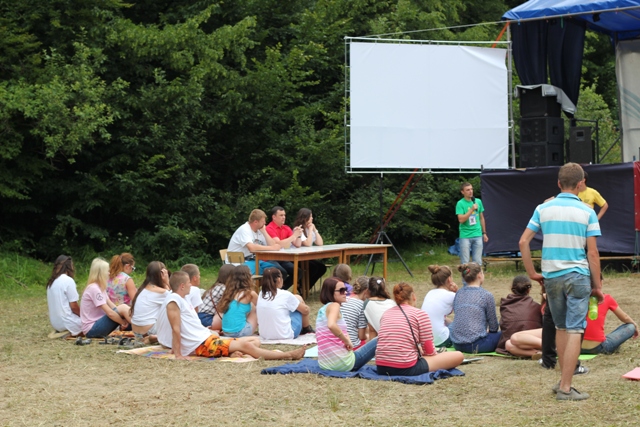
x: 620, y: 19
x: 367, y: 372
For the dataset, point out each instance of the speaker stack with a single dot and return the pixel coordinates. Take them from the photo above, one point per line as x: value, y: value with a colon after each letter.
x: 580, y: 149
x: 541, y: 129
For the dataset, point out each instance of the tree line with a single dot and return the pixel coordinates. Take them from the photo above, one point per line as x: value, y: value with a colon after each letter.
x: 159, y: 125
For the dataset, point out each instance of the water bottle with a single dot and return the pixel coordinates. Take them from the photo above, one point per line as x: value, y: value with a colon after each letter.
x: 593, y: 308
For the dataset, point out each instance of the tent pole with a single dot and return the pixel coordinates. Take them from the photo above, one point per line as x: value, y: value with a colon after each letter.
x: 510, y: 71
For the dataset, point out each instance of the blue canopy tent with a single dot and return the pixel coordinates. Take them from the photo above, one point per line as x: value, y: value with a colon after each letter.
x: 548, y: 44
x: 548, y: 41
x: 620, y: 19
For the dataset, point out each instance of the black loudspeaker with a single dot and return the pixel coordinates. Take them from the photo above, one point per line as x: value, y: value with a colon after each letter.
x: 541, y: 142
x: 541, y: 154
x: 542, y: 129
x: 533, y: 104
x: 580, y: 148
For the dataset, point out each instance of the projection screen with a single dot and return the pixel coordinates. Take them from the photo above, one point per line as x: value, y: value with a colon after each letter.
x: 427, y: 107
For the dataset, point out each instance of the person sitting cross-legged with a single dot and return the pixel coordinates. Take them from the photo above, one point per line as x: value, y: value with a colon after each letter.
x: 595, y: 341
x: 179, y: 328
x: 62, y: 298
x: 405, y: 339
x: 335, y: 349
x: 281, y: 314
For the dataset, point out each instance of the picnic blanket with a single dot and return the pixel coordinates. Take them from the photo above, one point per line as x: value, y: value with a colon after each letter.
x: 160, y: 352
x: 367, y: 372
x: 301, y: 340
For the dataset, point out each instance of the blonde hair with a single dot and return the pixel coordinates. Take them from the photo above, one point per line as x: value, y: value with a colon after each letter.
x: 99, y: 273
x: 257, y: 215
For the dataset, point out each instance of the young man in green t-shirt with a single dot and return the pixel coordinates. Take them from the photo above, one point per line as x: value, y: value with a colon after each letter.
x: 473, y: 231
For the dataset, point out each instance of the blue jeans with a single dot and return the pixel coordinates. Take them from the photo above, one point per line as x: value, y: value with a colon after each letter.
x: 568, y: 299
x: 481, y: 345
x: 613, y: 341
x: 205, y: 318
x: 264, y: 264
x: 296, y: 323
x: 471, y: 246
x: 365, y: 354
x: 103, y: 327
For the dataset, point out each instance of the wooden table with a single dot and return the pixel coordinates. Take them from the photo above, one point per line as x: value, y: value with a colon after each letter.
x: 306, y: 253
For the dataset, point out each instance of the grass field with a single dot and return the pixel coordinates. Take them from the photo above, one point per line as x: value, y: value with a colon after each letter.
x: 53, y: 382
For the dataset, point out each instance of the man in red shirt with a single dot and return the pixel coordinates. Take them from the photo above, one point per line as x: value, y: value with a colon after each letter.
x: 285, y: 237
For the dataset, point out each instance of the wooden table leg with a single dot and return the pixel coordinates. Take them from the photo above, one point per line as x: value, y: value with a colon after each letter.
x: 295, y: 275
x: 306, y: 286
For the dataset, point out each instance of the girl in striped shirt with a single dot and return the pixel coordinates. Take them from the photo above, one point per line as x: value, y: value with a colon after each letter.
x: 335, y: 349
x: 405, y: 340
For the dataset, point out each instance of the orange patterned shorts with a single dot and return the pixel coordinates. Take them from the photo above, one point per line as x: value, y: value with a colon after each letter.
x: 214, y: 347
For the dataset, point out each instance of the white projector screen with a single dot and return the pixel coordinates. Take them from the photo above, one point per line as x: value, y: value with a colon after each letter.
x: 427, y: 106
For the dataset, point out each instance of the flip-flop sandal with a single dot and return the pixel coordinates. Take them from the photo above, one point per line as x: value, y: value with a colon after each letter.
x: 109, y: 341
x: 127, y: 342
x: 80, y: 341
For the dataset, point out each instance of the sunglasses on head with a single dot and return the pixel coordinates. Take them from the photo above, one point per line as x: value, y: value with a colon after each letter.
x: 342, y: 291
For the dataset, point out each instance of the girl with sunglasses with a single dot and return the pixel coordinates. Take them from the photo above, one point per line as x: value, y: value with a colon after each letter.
x: 281, y: 314
x: 335, y: 349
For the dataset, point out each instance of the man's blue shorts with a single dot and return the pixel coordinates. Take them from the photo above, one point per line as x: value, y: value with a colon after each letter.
x: 568, y: 298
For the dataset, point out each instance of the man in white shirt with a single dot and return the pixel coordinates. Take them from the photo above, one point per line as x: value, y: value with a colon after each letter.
x: 179, y: 328
x: 252, y: 236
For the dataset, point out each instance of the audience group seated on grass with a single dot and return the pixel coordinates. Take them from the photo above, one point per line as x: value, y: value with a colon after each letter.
x: 355, y: 324
x: 359, y: 318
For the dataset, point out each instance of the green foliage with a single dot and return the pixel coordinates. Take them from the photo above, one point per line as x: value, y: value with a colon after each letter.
x: 157, y: 126
x: 592, y: 106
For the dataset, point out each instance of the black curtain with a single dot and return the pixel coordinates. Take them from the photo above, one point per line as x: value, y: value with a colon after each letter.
x: 555, y: 43
x: 510, y: 197
x: 565, y: 43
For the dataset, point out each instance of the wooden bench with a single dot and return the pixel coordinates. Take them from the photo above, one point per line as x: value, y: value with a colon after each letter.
x: 487, y: 260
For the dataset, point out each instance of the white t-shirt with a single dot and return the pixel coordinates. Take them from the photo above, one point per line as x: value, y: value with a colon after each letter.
x: 61, y: 292
x: 195, y: 297
x: 375, y: 309
x: 274, y: 317
x: 243, y: 235
x: 147, y: 307
x: 438, y: 303
x: 192, y: 333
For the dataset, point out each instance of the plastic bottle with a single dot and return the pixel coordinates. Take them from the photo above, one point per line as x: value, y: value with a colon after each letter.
x: 593, y: 308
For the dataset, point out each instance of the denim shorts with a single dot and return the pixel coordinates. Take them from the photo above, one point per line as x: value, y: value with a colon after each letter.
x: 420, y: 367
x: 568, y: 297
x: 244, y: 332
x: 296, y: 323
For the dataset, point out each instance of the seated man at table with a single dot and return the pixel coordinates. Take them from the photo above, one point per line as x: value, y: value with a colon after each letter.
x: 179, y: 328
x: 284, y: 236
x: 252, y: 236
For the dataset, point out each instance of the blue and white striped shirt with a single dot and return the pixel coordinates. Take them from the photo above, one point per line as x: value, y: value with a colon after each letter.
x: 566, y: 223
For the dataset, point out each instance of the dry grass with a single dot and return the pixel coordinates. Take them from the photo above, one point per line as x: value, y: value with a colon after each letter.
x: 47, y: 382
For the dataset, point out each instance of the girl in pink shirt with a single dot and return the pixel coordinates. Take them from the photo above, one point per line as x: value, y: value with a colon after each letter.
x: 99, y: 315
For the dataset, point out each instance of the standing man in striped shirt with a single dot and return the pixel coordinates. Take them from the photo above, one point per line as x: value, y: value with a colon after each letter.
x: 569, y: 275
